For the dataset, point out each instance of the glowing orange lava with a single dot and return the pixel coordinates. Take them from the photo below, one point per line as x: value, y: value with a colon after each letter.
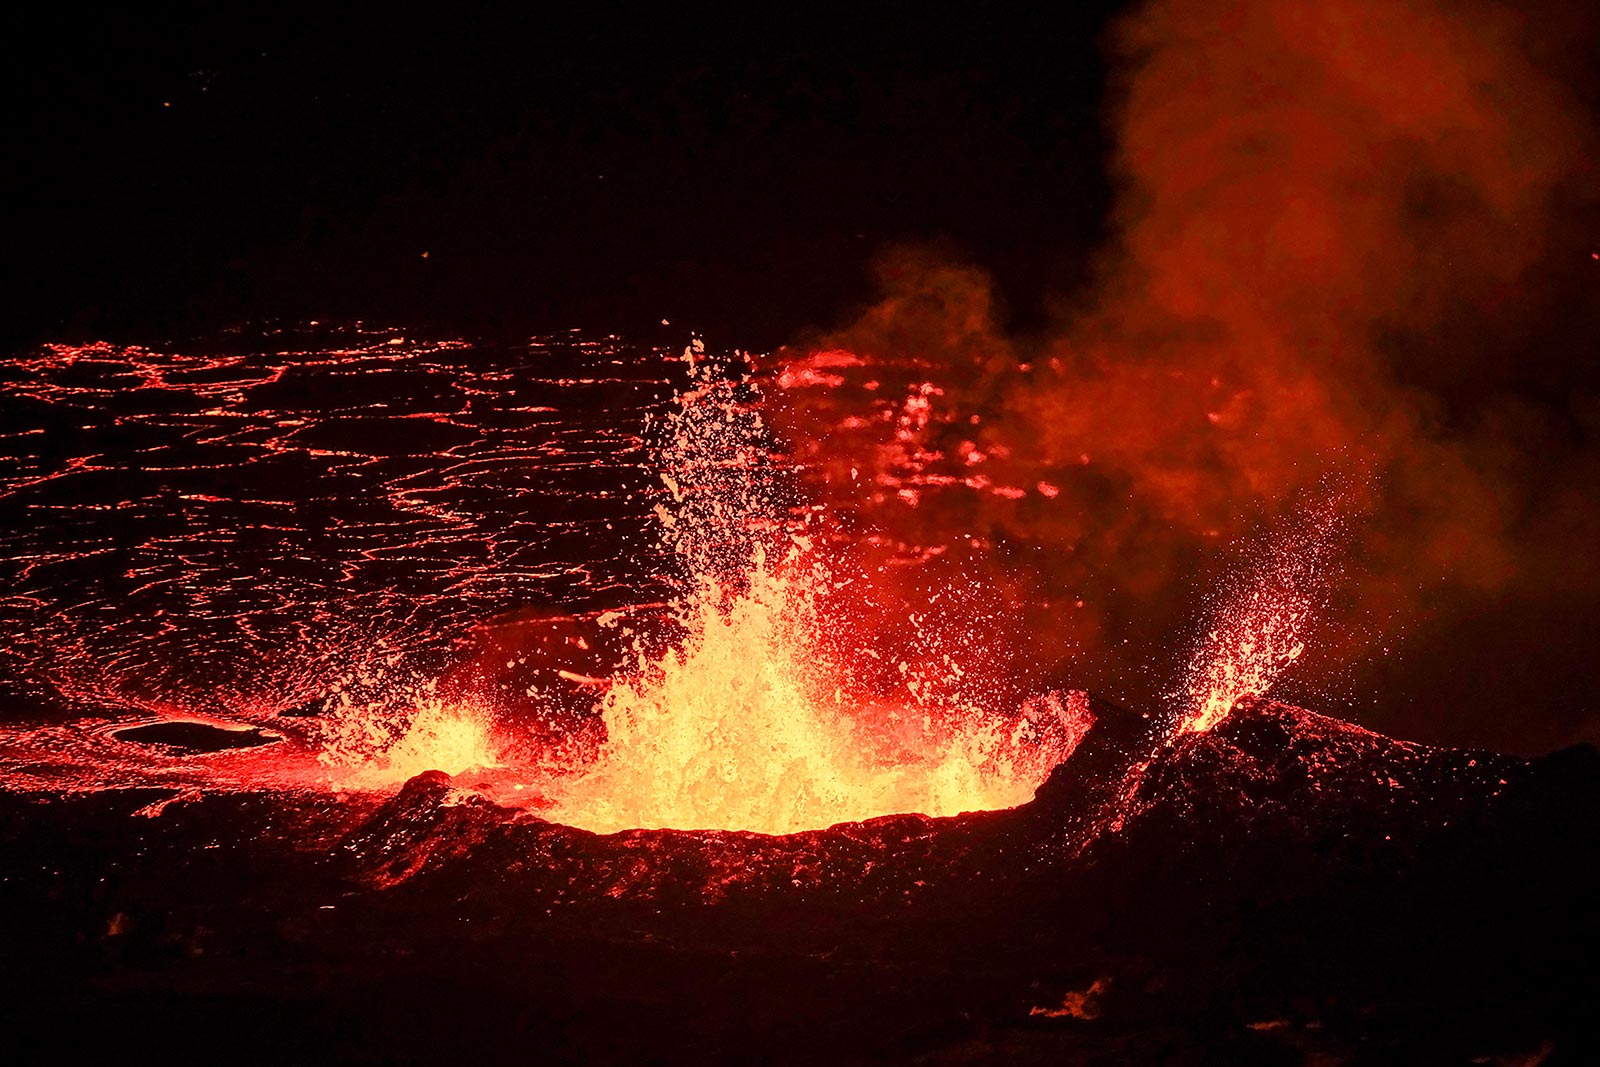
x: 748, y: 726
x: 1243, y: 655
x: 1259, y: 626
x: 369, y: 746
x: 765, y: 713
x: 751, y: 724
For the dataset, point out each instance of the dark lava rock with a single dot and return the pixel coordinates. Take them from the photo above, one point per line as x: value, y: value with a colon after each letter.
x: 194, y: 736
x: 1286, y: 888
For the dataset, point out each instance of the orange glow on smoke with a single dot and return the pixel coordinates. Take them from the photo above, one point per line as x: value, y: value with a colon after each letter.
x: 1333, y: 217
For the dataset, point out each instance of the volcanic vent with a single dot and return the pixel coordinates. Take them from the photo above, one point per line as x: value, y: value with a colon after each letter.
x: 720, y: 828
x: 755, y: 717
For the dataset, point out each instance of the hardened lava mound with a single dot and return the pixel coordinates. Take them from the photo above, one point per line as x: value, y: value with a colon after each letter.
x: 1285, y: 887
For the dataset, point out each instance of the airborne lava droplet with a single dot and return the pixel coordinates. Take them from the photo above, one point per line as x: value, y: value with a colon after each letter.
x: 751, y: 723
x: 1260, y: 621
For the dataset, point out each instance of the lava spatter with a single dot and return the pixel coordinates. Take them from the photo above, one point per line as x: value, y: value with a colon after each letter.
x: 255, y: 541
x: 408, y: 731
x: 1259, y: 621
x: 753, y: 722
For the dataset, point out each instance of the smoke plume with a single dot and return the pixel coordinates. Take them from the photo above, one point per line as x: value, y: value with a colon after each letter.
x: 1343, y: 236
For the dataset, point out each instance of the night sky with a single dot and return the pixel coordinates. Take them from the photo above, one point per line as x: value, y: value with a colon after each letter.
x: 600, y: 168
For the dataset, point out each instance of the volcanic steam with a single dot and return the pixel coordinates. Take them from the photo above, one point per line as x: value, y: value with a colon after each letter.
x: 1336, y: 225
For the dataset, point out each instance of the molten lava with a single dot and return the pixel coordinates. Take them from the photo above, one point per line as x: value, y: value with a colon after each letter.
x: 753, y: 723
x: 747, y: 726
x: 1243, y: 655
x: 767, y: 712
x: 371, y: 746
x: 1259, y: 623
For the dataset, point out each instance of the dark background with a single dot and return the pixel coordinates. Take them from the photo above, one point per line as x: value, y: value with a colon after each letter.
x: 608, y: 168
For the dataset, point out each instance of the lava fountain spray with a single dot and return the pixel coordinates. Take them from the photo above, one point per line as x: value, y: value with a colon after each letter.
x: 382, y: 740
x: 1259, y: 621
x: 753, y: 722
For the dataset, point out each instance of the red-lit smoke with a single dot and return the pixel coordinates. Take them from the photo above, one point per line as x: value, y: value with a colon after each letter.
x: 1332, y: 219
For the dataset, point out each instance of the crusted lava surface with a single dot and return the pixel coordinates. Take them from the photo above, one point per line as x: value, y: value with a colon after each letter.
x: 1285, y: 888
